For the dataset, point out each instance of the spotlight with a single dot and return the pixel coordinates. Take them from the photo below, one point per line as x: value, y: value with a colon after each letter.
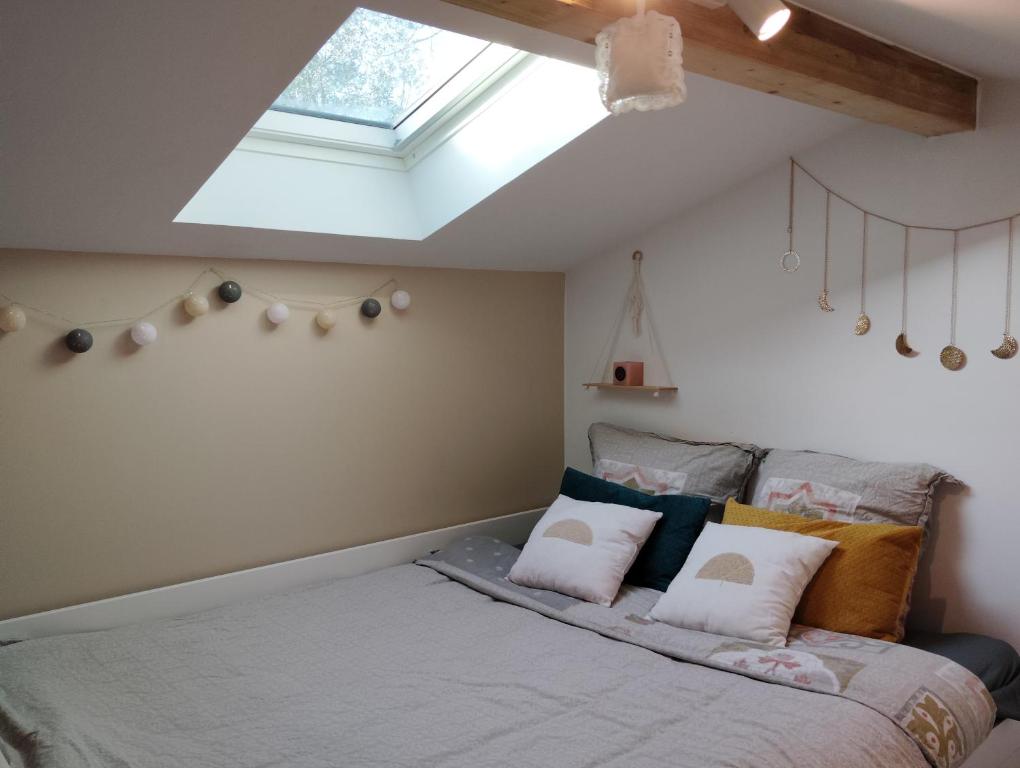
x: 763, y: 17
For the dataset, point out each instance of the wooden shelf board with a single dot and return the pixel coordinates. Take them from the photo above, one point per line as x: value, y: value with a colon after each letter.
x: 654, y: 390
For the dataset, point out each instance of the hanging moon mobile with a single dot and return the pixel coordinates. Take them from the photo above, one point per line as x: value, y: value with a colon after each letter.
x: 823, y: 302
x: 863, y: 324
x: 953, y: 358
x: 904, y: 348
x: 1007, y: 348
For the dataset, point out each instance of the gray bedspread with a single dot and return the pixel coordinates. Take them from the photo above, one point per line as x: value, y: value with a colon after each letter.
x: 409, y: 667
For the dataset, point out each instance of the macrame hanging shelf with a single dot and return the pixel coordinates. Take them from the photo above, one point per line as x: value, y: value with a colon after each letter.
x: 636, y: 307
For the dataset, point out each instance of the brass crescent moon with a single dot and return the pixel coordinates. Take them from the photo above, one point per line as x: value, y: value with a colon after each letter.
x: 863, y: 324
x: 904, y: 348
x: 1007, y: 348
x: 953, y: 358
x: 823, y: 302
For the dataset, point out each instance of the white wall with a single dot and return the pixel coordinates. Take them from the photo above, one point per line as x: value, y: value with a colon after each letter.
x: 756, y: 360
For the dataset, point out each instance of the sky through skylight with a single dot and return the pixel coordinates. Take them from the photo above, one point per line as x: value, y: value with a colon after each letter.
x: 377, y: 69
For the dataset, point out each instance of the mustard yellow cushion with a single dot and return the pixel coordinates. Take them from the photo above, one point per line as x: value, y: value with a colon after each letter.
x: 863, y: 588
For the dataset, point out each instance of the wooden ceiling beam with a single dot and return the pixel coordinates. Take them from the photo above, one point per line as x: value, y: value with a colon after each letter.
x: 814, y: 60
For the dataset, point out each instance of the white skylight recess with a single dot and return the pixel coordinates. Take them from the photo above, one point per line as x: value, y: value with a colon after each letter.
x: 377, y: 69
x: 394, y: 129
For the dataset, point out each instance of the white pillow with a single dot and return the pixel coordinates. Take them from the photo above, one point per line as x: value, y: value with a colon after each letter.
x: 743, y: 582
x: 583, y: 548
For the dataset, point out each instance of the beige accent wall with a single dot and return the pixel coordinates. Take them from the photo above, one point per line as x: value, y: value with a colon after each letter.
x: 231, y: 443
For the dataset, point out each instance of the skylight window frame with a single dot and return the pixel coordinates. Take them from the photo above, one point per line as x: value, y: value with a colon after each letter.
x: 469, y: 68
x: 471, y: 86
x: 493, y: 60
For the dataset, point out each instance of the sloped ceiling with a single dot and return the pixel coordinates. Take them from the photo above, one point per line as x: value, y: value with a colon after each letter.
x: 115, y: 112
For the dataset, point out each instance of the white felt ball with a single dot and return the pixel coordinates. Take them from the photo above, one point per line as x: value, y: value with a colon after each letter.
x: 277, y: 313
x: 195, y: 305
x: 143, y: 334
x: 12, y: 318
x: 400, y: 300
x: 326, y: 319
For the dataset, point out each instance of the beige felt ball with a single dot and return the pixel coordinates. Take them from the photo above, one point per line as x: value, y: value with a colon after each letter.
x: 196, y: 305
x: 326, y: 319
x: 12, y: 318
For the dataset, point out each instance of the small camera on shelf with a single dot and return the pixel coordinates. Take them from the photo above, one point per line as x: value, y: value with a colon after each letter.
x: 629, y: 374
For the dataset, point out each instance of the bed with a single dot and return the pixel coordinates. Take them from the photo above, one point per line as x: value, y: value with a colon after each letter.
x: 445, y: 663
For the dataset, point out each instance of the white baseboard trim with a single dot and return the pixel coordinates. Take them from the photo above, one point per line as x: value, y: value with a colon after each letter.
x: 202, y: 594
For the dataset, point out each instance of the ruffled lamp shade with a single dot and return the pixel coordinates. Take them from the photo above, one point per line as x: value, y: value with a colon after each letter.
x: 640, y: 63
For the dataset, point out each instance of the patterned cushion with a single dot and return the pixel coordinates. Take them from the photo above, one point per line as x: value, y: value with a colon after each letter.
x: 863, y: 588
x: 583, y: 548
x: 742, y: 582
x: 657, y: 464
x: 663, y: 555
x: 828, y: 487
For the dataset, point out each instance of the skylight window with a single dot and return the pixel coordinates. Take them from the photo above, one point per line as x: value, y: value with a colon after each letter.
x: 377, y: 70
x: 395, y: 129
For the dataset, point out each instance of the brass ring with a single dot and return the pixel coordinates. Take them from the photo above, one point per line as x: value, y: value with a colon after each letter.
x: 784, y: 261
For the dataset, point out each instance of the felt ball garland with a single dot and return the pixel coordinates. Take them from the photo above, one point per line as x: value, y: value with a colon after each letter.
x: 195, y: 305
x: 325, y: 319
x: 143, y: 333
x: 13, y: 317
x: 278, y: 313
x: 78, y: 341
x: 229, y: 291
x: 400, y: 300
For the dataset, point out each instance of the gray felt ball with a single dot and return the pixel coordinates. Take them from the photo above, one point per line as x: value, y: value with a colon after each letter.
x: 79, y: 340
x: 229, y: 291
x: 371, y: 308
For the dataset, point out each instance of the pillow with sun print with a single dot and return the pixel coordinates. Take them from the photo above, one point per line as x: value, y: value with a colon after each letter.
x: 583, y: 548
x: 743, y: 582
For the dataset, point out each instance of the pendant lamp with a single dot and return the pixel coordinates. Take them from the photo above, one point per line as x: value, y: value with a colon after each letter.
x: 640, y: 63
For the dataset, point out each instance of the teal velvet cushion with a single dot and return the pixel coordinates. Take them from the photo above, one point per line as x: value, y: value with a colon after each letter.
x: 666, y: 550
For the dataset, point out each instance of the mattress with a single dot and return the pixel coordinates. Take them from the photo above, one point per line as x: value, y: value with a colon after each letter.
x: 996, y: 662
x: 442, y: 664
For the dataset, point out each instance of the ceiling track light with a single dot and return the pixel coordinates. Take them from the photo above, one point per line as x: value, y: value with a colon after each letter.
x: 765, y: 18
